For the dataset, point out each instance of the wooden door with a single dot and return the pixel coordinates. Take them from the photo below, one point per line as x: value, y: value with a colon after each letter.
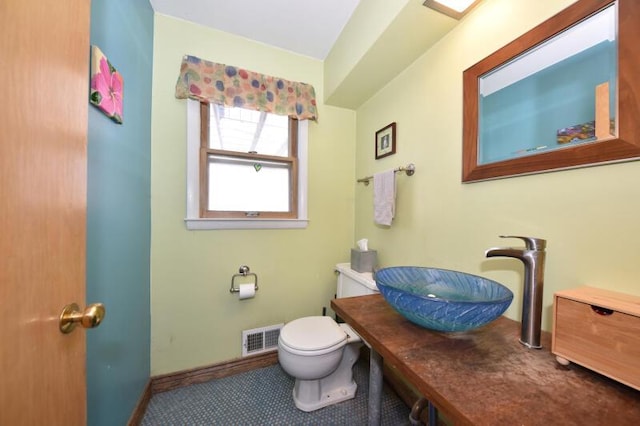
x: 44, y: 49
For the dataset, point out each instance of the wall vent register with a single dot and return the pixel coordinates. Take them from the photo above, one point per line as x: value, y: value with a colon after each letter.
x: 260, y: 340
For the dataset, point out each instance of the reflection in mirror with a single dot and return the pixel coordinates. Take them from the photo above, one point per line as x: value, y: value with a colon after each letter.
x: 545, y: 99
x: 565, y: 94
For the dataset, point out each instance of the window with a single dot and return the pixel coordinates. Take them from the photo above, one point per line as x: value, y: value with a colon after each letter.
x: 246, y: 169
x: 250, y: 163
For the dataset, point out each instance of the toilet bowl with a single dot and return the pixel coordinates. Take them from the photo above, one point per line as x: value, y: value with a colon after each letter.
x: 319, y: 353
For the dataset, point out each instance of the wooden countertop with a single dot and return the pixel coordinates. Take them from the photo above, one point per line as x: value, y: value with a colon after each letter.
x: 485, y: 376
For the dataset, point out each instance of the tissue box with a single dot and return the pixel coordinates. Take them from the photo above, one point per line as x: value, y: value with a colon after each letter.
x: 363, y: 261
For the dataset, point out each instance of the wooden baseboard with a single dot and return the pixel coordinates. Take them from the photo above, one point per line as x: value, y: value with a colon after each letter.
x: 141, y: 406
x: 192, y: 376
x: 179, y: 379
x: 166, y: 382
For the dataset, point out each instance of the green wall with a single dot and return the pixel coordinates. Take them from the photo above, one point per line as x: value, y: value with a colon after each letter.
x: 118, y: 217
x: 195, y: 320
x: 588, y: 215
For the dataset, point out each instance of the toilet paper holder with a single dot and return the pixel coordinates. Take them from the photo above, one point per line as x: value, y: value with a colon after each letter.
x: 244, y: 271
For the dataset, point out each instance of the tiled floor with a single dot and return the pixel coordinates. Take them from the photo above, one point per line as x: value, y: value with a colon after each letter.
x: 263, y: 397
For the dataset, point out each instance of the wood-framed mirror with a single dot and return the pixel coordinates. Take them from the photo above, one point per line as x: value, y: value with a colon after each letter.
x: 565, y: 94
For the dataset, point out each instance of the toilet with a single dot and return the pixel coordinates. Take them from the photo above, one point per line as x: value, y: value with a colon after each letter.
x: 320, y: 353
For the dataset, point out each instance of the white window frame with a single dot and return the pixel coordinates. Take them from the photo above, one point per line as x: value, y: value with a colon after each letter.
x: 193, y: 221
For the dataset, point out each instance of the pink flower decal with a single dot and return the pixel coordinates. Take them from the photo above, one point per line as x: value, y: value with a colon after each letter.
x: 106, y: 86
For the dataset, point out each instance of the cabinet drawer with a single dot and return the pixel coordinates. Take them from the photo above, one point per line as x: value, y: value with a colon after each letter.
x: 597, y: 335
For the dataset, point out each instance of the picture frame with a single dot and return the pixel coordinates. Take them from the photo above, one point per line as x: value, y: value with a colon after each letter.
x: 107, y: 86
x: 385, y: 143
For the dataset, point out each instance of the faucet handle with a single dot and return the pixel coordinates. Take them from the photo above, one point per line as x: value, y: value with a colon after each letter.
x: 530, y: 242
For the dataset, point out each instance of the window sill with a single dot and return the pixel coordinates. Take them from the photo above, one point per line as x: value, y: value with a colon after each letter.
x: 205, y: 224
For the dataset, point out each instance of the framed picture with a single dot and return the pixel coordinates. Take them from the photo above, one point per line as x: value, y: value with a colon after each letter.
x: 107, y: 86
x: 386, y: 141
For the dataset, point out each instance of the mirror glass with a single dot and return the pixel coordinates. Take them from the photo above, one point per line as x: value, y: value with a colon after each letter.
x: 558, y: 94
x: 564, y: 94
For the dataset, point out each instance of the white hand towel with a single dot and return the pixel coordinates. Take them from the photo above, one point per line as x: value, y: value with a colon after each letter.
x: 384, y: 197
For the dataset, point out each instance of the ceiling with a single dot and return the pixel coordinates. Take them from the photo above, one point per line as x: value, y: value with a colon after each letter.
x: 304, y: 27
x: 363, y: 44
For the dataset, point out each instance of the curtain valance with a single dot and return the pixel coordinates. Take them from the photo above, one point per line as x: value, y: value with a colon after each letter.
x: 221, y: 84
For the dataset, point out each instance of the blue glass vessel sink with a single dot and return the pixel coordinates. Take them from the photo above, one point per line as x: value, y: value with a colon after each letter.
x: 442, y: 300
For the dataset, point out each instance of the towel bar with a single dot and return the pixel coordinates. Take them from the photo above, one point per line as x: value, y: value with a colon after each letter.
x: 409, y: 169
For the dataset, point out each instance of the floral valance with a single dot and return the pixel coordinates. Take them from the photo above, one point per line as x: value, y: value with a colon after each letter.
x: 207, y: 81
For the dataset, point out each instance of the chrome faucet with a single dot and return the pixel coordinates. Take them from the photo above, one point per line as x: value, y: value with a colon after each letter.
x: 533, y: 256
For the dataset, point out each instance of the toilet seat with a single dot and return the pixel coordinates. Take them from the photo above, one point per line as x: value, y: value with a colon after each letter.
x: 312, y: 336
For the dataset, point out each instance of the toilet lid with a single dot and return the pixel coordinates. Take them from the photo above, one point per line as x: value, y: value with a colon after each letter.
x: 312, y: 333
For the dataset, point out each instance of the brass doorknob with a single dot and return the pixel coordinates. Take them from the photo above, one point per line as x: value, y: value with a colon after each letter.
x: 90, y: 318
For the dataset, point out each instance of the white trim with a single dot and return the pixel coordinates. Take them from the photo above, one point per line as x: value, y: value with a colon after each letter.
x: 193, y: 147
x: 206, y: 223
x: 193, y: 221
x: 303, y: 167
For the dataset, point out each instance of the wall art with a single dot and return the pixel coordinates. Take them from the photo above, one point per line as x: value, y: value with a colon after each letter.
x: 107, y: 86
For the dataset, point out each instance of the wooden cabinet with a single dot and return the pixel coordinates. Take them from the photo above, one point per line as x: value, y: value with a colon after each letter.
x: 600, y: 330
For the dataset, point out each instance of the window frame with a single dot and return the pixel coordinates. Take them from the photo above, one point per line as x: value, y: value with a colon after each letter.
x: 205, y: 151
x: 194, y: 219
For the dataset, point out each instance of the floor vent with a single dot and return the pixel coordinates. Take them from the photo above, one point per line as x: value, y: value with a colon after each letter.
x: 260, y: 340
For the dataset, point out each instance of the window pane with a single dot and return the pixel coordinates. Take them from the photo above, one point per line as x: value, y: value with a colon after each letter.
x: 243, y: 130
x: 248, y: 186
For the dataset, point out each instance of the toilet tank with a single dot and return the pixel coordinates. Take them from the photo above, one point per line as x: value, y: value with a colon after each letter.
x: 352, y: 283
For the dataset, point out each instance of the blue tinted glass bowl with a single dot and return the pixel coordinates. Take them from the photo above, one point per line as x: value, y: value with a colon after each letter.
x: 442, y: 300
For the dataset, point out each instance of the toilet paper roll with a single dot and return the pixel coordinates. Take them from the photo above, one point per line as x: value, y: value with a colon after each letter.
x: 247, y: 291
